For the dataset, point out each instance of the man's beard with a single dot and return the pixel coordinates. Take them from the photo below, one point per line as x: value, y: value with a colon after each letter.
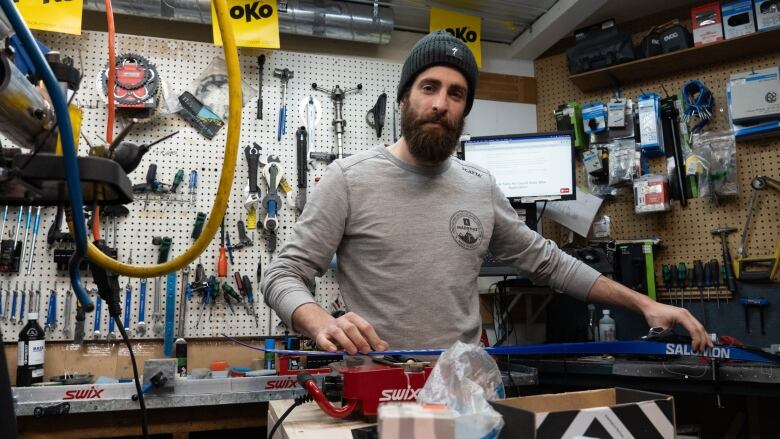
x: 429, y: 144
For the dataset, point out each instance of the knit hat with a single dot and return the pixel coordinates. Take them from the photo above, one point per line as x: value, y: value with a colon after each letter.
x: 439, y: 48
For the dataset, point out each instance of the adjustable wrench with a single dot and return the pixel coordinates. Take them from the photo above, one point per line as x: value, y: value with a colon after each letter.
x: 273, y: 173
x: 252, y: 192
x: 140, y: 328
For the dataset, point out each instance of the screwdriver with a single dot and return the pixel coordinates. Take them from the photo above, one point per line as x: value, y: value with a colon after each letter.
x: 667, y: 275
x: 229, y: 247
x: 177, y: 179
x: 682, y: 272
x: 674, y: 281
x: 250, y: 297
x: 708, y: 278
x: 193, y: 186
x: 222, y: 260
x: 715, y: 268
x: 698, y: 272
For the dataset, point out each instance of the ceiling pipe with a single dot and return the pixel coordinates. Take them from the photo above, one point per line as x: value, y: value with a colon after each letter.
x: 339, y: 20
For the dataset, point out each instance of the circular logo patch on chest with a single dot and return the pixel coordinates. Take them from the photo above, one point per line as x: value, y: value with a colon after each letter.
x: 466, y: 229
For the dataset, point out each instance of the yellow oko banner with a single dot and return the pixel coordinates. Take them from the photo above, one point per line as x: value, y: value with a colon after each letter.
x: 255, y: 23
x: 53, y: 15
x: 466, y: 28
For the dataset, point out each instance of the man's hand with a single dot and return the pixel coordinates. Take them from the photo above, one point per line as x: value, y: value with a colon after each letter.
x: 666, y: 316
x: 656, y: 314
x: 349, y: 332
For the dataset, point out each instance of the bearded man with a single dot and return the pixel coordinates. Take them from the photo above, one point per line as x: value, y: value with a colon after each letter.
x: 410, y: 224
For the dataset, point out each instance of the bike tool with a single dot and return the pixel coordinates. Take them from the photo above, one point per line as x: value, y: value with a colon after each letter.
x: 284, y: 75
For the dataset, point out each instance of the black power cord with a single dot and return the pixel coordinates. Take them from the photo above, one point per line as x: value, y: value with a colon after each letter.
x: 108, y: 288
x: 298, y: 401
x: 138, y: 389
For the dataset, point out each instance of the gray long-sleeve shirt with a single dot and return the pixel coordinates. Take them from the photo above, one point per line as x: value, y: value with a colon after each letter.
x: 410, y: 243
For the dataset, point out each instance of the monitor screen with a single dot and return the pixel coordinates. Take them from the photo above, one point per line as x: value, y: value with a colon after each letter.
x: 527, y: 167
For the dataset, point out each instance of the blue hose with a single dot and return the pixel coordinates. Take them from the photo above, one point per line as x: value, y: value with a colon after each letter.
x: 66, y: 137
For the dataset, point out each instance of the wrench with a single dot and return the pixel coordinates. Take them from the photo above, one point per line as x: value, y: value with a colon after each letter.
x: 111, y: 335
x: 140, y: 328
x: 96, y: 326
x: 185, y: 285
x: 66, y: 317
x: 21, y: 306
x: 157, y: 326
x: 13, y: 303
x: 128, y: 298
x: 252, y: 192
x: 51, y: 313
x: 7, y: 302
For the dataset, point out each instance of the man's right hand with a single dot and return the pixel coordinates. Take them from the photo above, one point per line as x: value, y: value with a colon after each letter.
x: 349, y: 332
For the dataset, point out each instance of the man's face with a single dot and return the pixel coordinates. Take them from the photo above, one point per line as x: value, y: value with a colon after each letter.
x: 432, y: 113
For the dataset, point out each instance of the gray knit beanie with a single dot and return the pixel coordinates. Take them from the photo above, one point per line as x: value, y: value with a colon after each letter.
x: 439, y: 48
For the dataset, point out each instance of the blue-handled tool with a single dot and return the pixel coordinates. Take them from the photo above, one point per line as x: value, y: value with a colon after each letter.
x: 13, y: 303
x: 26, y: 233
x: 284, y: 75
x: 96, y: 326
x: 758, y: 302
x: 128, y: 298
x: 5, y: 218
x: 140, y: 328
x: 193, y: 186
x: 34, y: 237
x: 22, y: 310
x: 170, y: 310
x: 51, y: 313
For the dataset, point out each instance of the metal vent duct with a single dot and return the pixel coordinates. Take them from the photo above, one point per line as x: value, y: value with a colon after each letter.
x: 333, y: 19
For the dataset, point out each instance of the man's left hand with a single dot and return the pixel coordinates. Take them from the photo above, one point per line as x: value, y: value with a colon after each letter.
x: 666, y: 316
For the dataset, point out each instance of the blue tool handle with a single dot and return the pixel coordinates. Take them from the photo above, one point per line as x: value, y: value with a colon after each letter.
x: 142, y: 303
x: 98, y: 303
x: 51, y: 309
x: 749, y: 301
x: 280, y: 130
x: 188, y: 293
x: 250, y: 297
x: 128, y: 298
x: 110, y: 324
x: 29, y: 219
x: 21, y: 308
x: 13, y: 306
x: 170, y: 308
x: 37, y: 220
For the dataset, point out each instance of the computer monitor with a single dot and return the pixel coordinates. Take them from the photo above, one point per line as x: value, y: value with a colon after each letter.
x: 527, y: 167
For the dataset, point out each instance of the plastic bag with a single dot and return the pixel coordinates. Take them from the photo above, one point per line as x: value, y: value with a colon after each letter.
x: 716, y: 152
x: 211, y: 89
x: 623, y: 162
x: 464, y: 379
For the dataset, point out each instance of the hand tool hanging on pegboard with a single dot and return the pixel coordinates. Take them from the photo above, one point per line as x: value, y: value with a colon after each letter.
x: 284, y: 75
x: 252, y: 191
x: 337, y: 96
x: 375, y: 117
x: 301, y: 140
x: 273, y: 172
x: 310, y: 112
x: 260, y: 66
x: 136, y: 84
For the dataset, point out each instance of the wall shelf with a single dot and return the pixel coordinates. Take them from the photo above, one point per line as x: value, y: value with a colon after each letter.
x: 646, y: 68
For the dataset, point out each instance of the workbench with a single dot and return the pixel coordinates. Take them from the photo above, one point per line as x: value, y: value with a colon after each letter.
x: 308, y: 421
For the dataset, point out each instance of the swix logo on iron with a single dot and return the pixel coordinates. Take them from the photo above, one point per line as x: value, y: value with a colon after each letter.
x: 281, y: 384
x: 91, y: 393
x: 407, y: 394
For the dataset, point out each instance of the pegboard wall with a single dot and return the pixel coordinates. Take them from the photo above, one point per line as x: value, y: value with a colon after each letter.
x: 179, y: 63
x: 685, y: 231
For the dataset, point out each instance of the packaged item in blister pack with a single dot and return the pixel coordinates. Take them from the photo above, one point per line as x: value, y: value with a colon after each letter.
x: 595, y: 160
x: 716, y: 152
x: 624, y: 163
x: 210, y: 88
x: 651, y: 194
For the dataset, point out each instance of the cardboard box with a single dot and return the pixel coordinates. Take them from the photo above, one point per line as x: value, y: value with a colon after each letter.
x: 706, y: 23
x: 754, y: 96
x: 767, y: 14
x: 411, y: 420
x: 604, y: 413
x: 737, y: 18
